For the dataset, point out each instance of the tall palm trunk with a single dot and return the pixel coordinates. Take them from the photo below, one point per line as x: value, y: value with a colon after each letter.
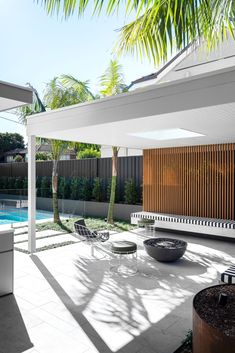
x: 55, y: 192
x: 113, y: 184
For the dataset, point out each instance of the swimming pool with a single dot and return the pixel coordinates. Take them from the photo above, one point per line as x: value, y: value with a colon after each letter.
x: 10, y: 215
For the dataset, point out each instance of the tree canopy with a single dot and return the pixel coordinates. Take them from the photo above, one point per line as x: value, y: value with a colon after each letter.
x: 160, y: 26
x: 10, y: 141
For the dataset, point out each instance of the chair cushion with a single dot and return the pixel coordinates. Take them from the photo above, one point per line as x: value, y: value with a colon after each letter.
x: 81, y: 222
x: 103, y: 235
x: 228, y: 276
x: 123, y: 247
x: 82, y: 230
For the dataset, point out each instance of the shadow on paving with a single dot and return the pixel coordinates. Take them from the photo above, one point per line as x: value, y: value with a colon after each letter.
x: 154, y: 336
x: 13, y: 333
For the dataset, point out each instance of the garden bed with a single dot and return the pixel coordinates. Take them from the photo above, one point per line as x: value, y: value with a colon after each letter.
x: 93, y: 223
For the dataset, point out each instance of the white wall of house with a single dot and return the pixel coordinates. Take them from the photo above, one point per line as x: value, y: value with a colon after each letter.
x: 106, y: 151
x: 10, y: 159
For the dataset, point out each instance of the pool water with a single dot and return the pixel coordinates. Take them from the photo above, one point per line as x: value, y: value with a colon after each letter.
x: 10, y: 215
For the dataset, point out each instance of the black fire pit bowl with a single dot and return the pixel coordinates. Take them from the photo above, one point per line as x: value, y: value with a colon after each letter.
x: 165, y: 249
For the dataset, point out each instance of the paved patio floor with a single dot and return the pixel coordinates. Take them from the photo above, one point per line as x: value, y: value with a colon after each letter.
x: 66, y: 301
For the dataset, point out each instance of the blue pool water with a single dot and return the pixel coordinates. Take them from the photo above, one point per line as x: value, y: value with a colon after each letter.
x: 12, y: 215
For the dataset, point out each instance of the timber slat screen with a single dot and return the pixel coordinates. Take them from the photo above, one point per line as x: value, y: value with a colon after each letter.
x: 193, y: 181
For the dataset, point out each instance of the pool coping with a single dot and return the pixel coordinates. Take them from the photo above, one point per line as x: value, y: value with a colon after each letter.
x: 16, y: 225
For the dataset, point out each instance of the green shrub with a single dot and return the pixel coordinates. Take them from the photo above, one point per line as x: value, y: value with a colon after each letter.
x: 140, y: 194
x: 130, y: 192
x: 25, y: 186
x: 18, y: 183
x: 3, y: 183
x: 88, y: 153
x: 67, y: 188
x: 46, y: 187
x: 64, y: 188
x: 43, y: 156
x: 38, y: 186
x: 117, y: 193
x: 97, y: 192
x: 11, y: 183
x: 18, y: 158
x: 86, y: 189
x: 74, y: 187
x: 60, y: 187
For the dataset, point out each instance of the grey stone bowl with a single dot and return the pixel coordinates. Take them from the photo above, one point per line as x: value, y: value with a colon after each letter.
x: 165, y: 249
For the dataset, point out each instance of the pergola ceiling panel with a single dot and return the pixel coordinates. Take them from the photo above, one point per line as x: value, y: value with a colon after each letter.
x: 204, y: 105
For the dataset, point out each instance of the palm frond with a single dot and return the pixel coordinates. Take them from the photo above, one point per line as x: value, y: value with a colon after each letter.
x: 36, y: 107
x: 171, y: 25
x: 69, y: 7
x: 57, y: 148
x: 82, y: 88
x: 161, y: 26
x: 112, y: 81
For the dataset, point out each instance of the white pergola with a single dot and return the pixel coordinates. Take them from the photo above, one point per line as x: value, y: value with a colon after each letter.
x: 14, y: 96
x: 197, y: 110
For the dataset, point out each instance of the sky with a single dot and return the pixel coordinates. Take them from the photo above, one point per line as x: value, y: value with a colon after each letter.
x: 37, y: 47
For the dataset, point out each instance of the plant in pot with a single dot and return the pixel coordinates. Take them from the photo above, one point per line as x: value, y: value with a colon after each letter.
x: 214, y: 320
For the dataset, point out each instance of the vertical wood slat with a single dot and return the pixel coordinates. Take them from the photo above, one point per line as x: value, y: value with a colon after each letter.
x: 193, y: 181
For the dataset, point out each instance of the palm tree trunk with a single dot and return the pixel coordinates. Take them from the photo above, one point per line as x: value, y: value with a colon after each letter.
x: 113, y: 184
x: 55, y: 193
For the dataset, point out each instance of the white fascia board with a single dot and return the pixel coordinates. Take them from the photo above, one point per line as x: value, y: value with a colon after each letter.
x: 15, y: 94
x: 185, y: 94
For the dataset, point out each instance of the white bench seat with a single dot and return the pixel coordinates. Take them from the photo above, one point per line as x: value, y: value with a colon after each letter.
x: 209, y: 226
x: 228, y: 276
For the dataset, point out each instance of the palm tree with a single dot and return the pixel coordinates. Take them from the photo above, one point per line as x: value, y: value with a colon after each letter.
x: 160, y: 26
x: 112, y: 83
x: 36, y: 107
x: 58, y: 95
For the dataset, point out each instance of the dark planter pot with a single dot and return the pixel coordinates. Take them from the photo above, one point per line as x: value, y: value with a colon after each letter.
x: 165, y: 249
x: 208, y: 337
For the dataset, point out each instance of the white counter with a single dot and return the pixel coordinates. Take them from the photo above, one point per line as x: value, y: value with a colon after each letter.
x: 6, y: 260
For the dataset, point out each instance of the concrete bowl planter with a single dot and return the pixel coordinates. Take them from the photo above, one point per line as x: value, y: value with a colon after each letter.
x: 165, y: 249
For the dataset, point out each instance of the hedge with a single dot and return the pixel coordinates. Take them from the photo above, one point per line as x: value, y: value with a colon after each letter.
x: 76, y: 188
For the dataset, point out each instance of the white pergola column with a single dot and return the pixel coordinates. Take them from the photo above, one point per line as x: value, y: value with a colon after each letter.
x: 32, y: 194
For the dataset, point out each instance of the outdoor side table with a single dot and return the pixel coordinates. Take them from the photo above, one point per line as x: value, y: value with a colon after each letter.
x: 124, y: 258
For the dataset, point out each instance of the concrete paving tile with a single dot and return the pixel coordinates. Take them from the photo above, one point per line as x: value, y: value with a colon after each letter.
x: 47, y: 339
x: 24, y: 304
x: 52, y: 320
x: 48, y: 241
x: 77, y: 307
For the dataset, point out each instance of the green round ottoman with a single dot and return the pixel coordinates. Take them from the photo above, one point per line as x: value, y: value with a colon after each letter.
x: 124, y: 257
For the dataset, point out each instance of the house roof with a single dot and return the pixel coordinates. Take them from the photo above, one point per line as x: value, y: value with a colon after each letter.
x: 47, y: 149
x: 16, y: 151
x: 194, y: 60
x: 156, y: 74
